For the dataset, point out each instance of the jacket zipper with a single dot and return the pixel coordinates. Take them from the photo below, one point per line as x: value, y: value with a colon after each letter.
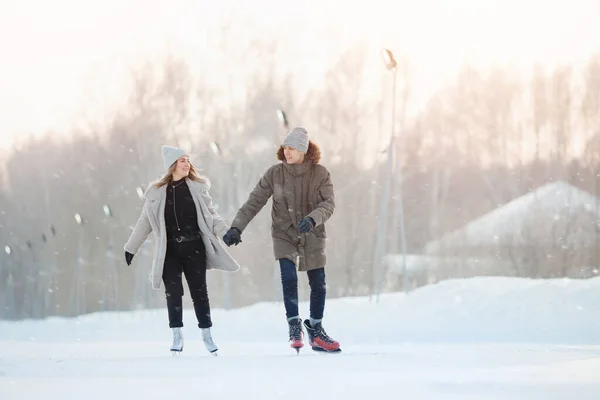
x: 175, y: 209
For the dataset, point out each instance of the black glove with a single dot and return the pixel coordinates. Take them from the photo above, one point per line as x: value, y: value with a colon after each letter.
x: 233, y: 236
x: 128, y: 257
x: 306, y: 225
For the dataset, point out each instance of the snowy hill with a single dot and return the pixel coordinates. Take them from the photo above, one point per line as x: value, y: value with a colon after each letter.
x: 476, y: 309
x: 478, y: 338
x: 544, y: 207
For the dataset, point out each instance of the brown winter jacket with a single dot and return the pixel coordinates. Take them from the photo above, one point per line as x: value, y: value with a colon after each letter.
x: 298, y: 190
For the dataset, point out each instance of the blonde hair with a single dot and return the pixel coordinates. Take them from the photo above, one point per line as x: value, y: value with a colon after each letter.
x: 168, y: 177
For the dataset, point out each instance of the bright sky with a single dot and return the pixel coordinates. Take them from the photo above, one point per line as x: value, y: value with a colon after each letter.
x: 67, y: 59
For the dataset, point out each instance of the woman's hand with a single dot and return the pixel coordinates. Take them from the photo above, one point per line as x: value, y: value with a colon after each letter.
x: 128, y: 257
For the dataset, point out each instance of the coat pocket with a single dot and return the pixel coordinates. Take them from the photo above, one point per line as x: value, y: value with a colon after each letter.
x: 320, y: 232
x: 209, y: 245
x: 315, y: 243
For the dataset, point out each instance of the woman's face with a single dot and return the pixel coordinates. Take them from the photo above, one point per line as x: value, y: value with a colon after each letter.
x: 293, y: 156
x: 182, y: 168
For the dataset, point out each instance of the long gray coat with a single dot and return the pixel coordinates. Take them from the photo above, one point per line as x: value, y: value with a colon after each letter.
x: 152, y: 220
x: 298, y: 191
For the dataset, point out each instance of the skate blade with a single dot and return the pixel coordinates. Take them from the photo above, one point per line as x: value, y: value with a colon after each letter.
x: 297, y: 347
x: 321, y: 350
x: 176, y: 353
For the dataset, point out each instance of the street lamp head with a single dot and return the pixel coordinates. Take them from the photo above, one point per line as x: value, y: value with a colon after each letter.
x: 107, y: 210
x: 388, y: 59
x: 282, y: 117
x: 214, y: 146
x: 78, y: 219
x: 7, y: 250
x: 140, y: 192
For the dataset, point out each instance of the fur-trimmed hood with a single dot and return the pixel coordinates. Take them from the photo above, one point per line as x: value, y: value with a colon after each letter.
x: 313, y: 154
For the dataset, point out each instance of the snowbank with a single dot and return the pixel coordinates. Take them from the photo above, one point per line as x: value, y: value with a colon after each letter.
x: 489, y: 309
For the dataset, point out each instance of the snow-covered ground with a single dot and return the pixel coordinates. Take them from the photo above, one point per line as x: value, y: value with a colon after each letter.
x: 480, y: 338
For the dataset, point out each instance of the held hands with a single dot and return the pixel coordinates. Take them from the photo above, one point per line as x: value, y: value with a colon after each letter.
x: 128, y: 257
x: 306, y: 225
x: 233, y: 236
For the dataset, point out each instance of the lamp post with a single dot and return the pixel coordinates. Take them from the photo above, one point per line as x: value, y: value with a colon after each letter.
x: 282, y: 117
x: 44, y: 287
x: 9, y: 307
x: 140, y: 293
x: 285, y: 124
x: 49, y: 272
x: 380, y: 247
x: 32, y: 282
x: 216, y: 149
x: 108, y: 213
x: 78, y: 289
x: 9, y: 296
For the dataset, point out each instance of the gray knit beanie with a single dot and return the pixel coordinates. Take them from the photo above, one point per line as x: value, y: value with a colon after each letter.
x: 298, y: 139
x: 170, y: 155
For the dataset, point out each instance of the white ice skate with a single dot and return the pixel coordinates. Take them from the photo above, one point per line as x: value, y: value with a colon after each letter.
x: 208, y: 341
x: 177, y: 346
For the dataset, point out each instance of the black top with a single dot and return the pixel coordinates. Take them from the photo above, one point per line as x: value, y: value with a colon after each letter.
x: 181, y: 218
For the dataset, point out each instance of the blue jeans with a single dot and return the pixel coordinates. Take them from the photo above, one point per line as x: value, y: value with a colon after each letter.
x: 289, y: 283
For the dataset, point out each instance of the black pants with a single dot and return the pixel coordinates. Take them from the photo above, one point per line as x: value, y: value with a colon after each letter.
x: 289, y: 283
x: 187, y: 258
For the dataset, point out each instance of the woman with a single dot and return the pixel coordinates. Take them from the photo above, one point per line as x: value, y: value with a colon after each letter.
x: 179, y: 210
x: 303, y: 200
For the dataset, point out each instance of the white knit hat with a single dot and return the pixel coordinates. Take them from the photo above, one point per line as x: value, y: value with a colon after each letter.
x: 298, y: 139
x: 171, y: 154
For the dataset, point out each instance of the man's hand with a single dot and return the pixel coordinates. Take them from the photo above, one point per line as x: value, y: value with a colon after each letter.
x: 233, y: 236
x: 306, y: 225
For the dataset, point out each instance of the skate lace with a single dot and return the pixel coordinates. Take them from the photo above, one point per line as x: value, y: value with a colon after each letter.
x: 177, y: 337
x: 323, y: 335
x: 206, y: 336
x: 295, y: 331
